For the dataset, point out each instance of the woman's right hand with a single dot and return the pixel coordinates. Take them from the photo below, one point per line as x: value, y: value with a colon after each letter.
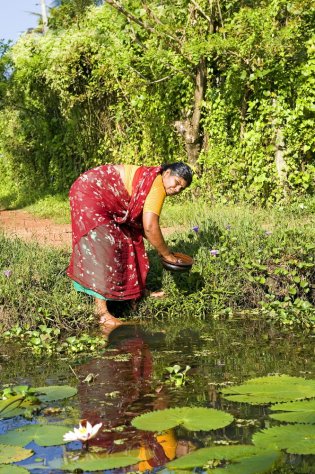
x: 171, y: 258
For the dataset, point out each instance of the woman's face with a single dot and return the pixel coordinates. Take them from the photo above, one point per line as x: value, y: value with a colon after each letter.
x: 173, y: 184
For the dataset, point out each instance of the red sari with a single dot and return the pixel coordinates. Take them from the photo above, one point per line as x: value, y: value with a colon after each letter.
x: 108, y: 254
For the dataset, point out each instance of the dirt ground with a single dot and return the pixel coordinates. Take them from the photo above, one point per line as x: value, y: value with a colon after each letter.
x: 44, y: 231
x: 30, y: 228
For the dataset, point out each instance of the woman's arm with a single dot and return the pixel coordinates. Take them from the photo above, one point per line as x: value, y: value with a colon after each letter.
x: 153, y: 233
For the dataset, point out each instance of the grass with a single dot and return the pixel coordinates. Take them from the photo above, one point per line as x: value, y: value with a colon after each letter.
x: 264, y: 267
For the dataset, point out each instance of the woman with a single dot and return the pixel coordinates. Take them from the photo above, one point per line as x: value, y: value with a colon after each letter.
x: 112, y: 208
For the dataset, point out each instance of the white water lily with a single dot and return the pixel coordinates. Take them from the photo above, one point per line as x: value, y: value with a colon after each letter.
x: 84, y: 433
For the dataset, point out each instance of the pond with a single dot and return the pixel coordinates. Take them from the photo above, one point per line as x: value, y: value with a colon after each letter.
x: 142, y: 370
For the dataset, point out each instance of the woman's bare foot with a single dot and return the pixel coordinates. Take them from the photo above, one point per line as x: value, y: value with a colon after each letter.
x: 107, y: 321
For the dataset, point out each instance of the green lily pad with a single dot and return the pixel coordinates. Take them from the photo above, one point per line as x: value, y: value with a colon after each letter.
x: 10, y: 454
x: 202, y: 456
x: 102, y: 462
x: 194, y: 419
x: 259, y: 464
x: 54, y: 392
x: 299, y: 412
x: 43, y: 435
x: 15, y: 406
x: 295, y: 439
x: 275, y: 388
x: 6, y: 469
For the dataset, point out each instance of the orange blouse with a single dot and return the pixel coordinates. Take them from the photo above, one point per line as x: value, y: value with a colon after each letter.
x: 155, y: 198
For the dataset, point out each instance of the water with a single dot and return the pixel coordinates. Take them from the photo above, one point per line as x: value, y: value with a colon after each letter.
x: 130, y: 378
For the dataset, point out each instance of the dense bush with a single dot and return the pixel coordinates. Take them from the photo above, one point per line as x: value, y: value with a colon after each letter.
x: 228, y: 87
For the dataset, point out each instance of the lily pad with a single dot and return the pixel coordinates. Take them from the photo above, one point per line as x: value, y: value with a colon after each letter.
x: 15, y: 406
x: 54, y: 392
x: 102, y: 462
x: 6, y: 469
x: 275, y: 388
x: 295, y: 439
x: 259, y: 464
x: 10, y: 454
x: 299, y: 412
x: 202, y: 456
x: 43, y: 435
x: 194, y: 419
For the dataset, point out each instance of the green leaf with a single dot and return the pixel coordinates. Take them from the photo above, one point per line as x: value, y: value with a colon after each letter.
x: 300, y: 412
x: 191, y: 418
x: 295, y: 439
x: 10, y: 454
x: 275, y: 388
x: 202, y: 456
x: 13, y: 470
x: 254, y: 465
x: 54, y: 392
x: 102, y: 462
x: 43, y: 435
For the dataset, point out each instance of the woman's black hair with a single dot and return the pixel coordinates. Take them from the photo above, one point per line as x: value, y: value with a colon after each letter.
x: 179, y: 169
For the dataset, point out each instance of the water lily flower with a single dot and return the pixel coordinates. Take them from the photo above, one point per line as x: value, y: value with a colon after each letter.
x: 214, y: 252
x: 196, y: 228
x: 7, y: 273
x: 84, y: 433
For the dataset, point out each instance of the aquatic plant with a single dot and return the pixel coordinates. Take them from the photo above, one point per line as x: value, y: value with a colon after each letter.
x: 239, y: 459
x: 84, y: 433
x: 270, y: 389
x: 194, y: 419
x: 177, y: 375
x: 296, y: 412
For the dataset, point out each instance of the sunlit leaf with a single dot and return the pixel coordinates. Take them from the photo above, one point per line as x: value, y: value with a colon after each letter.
x: 275, y: 388
x: 54, y: 392
x: 43, y: 435
x: 202, y: 456
x: 102, y: 462
x: 259, y: 464
x: 6, y: 469
x: 10, y: 454
x: 15, y: 406
x: 299, y: 412
x: 191, y: 418
x: 295, y: 439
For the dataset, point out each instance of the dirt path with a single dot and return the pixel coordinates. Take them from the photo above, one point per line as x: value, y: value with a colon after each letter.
x: 44, y: 231
x: 30, y: 228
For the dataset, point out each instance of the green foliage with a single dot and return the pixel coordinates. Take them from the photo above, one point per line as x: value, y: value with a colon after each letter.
x: 43, y: 435
x: 190, y: 418
x: 98, y: 462
x: 105, y: 85
x: 275, y: 388
x: 202, y: 457
x: 10, y: 454
x: 295, y: 439
x: 5, y: 469
x: 24, y: 400
x: 298, y: 412
x: 177, y: 375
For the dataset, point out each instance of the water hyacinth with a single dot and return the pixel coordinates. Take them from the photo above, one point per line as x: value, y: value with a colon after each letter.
x: 84, y: 433
x: 7, y: 273
x: 196, y: 229
x: 214, y: 252
x: 268, y: 232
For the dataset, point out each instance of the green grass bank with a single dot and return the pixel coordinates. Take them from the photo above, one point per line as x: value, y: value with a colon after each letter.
x: 248, y: 263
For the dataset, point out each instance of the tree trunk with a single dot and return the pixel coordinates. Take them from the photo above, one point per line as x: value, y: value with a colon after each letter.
x: 190, y: 128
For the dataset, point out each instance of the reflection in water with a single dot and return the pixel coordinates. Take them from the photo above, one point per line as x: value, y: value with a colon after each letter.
x: 122, y: 389
x: 129, y: 379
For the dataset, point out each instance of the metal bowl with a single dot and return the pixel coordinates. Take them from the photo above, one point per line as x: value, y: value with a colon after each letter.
x: 184, y: 263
